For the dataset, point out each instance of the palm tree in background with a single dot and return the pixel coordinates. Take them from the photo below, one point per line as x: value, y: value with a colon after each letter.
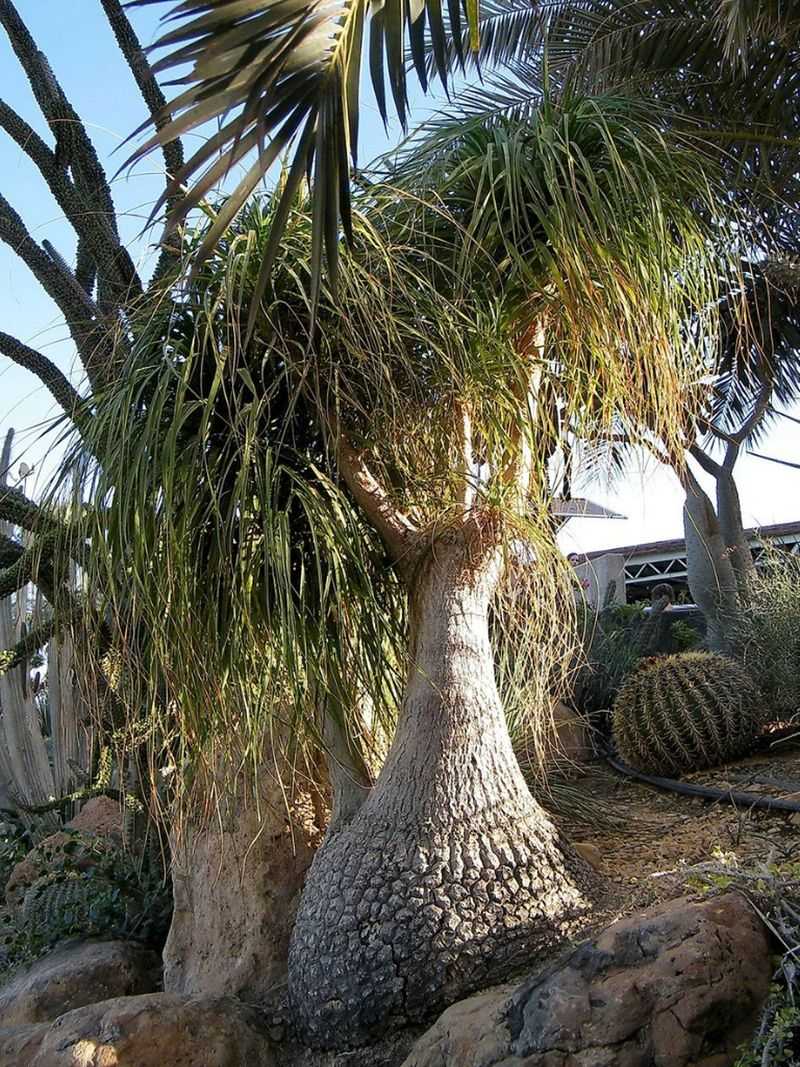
x: 278, y: 76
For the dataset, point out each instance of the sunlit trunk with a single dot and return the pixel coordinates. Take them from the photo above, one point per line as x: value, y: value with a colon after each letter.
x: 348, y: 773
x: 450, y: 874
x: 729, y: 512
x: 238, y: 867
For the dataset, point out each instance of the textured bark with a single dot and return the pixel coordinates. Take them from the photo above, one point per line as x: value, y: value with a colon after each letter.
x: 450, y: 873
x: 236, y: 881
x: 711, y: 577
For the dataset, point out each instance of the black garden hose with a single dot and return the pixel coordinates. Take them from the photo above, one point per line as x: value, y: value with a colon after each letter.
x: 705, y: 792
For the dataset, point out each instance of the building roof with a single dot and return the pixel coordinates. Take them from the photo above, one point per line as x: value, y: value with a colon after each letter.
x: 581, y: 508
x: 754, y: 533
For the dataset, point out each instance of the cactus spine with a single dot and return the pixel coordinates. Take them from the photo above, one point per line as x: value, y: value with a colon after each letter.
x: 685, y: 712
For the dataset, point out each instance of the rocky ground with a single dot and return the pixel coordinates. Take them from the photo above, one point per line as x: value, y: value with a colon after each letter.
x: 668, y: 978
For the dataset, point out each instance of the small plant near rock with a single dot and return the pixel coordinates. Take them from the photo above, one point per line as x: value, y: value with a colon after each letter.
x: 84, y: 886
x: 773, y: 891
x: 15, y: 842
x: 776, y: 1040
x: 685, y: 712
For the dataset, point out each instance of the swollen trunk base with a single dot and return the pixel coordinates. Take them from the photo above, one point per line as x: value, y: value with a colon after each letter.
x: 417, y: 921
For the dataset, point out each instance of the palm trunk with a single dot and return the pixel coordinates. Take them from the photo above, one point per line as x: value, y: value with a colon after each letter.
x: 237, y: 873
x: 711, y: 577
x: 450, y: 874
x: 729, y: 512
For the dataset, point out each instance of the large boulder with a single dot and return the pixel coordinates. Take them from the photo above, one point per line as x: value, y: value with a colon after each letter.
x: 19, y: 1044
x: 678, y: 985
x: 146, y: 1031
x: 75, y: 974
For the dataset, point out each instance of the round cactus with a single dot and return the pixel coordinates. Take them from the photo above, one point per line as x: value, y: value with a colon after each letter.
x: 685, y: 712
x: 64, y: 903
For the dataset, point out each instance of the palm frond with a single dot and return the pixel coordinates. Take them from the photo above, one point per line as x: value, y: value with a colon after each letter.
x: 674, y: 54
x: 746, y: 20
x: 763, y: 361
x: 284, y: 75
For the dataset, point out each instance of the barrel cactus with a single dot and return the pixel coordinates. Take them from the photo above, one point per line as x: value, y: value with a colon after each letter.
x: 685, y: 712
x: 67, y: 904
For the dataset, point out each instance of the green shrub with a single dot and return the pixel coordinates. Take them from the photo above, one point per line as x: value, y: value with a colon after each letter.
x: 767, y: 634
x: 611, y: 643
x: 615, y: 639
x: 684, y: 636
x: 685, y: 712
x: 16, y: 841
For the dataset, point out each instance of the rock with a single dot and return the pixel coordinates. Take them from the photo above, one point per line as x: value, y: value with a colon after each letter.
x: 390, y: 1052
x: 473, y: 1033
x: 19, y: 1044
x: 100, y: 815
x: 146, y: 1031
x: 591, y: 853
x: 680, y: 984
x: 76, y: 974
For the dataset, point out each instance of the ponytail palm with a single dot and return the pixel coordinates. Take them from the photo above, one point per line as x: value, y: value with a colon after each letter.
x: 583, y: 287
x: 275, y: 489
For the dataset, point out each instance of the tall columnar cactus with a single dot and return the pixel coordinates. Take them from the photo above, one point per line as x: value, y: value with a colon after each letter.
x: 685, y: 712
x: 45, y: 747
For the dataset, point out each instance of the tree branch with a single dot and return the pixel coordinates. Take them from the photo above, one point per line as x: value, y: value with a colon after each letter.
x: 736, y: 440
x: 35, y: 639
x: 24, y: 570
x: 705, y: 461
x: 517, y: 471
x: 10, y: 550
x: 151, y: 94
x: 395, y: 528
x: 73, y: 303
x: 467, y: 457
x: 58, y: 283
x: 85, y: 268
x: 773, y: 459
x: 21, y: 511
x: 783, y: 414
x: 45, y: 370
x: 74, y: 150
x: 95, y: 236
x: 87, y: 327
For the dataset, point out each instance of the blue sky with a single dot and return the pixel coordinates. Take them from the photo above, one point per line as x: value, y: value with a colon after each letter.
x: 76, y: 39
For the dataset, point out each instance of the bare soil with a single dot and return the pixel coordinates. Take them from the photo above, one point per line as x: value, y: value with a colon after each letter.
x: 646, y: 839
